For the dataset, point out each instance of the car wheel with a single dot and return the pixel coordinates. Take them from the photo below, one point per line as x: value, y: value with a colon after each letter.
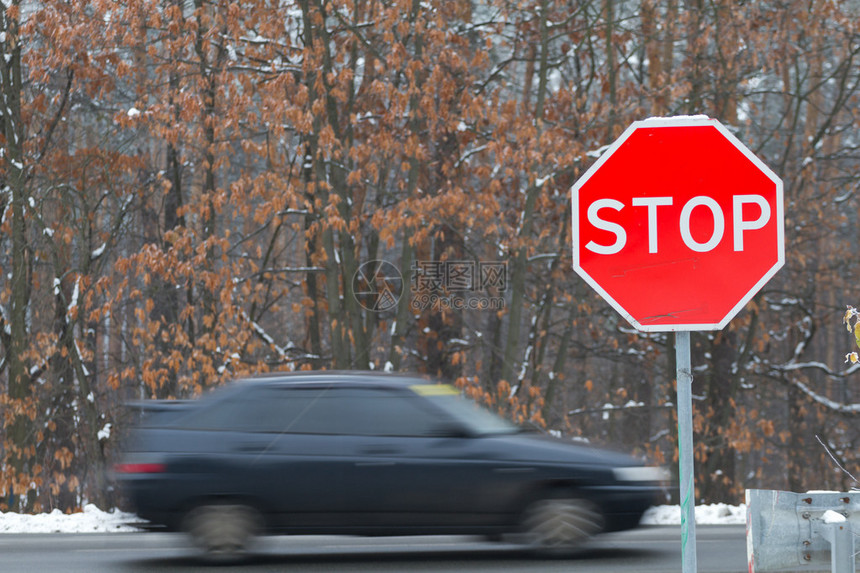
x: 560, y: 525
x: 223, y: 531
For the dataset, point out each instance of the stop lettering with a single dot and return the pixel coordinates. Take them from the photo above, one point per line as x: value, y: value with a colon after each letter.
x: 678, y: 224
x: 739, y: 224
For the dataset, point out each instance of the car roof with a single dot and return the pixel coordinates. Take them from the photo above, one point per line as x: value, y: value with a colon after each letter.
x: 365, y: 378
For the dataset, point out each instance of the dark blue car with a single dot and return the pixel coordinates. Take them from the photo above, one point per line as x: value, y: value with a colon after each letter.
x: 368, y: 454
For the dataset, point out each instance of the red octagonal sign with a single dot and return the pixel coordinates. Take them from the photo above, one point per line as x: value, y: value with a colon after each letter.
x: 678, y: 224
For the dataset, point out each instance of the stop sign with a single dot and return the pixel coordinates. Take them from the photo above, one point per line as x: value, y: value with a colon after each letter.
x: 677, y: 224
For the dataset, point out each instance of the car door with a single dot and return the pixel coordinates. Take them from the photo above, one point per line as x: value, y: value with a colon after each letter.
x: 260, y: 451
x: 300, y: 465
x: 411, y: 467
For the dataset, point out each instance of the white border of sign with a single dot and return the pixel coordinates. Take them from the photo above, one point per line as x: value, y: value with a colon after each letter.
x: 679, y: 121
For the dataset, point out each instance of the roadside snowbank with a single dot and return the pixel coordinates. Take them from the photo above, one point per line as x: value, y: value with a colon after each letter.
x: 714, y: 514
x: 94, y: 520
x: 91, y: 520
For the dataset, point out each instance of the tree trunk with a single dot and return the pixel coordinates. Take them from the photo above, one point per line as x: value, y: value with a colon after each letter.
x: 19, y: 446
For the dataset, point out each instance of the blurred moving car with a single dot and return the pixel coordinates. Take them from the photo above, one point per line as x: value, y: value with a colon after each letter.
x: 368, y: 454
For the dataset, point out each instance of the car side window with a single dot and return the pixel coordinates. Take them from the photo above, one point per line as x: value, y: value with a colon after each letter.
x: 334, y: 411
x: 260, y: 410
x: 366, y: 412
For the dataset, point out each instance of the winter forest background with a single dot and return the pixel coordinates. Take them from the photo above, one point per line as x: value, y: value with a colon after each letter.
x: 191, y: 190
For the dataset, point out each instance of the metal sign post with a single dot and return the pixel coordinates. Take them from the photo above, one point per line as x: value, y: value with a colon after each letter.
x: 684, y: 376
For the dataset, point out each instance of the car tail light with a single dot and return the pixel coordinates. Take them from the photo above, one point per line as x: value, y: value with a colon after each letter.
x: 140, y: 468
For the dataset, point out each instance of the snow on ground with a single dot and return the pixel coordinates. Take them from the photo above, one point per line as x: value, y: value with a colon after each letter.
x: 94, y: 520
x: 91, y: 520
x: 713, y: 514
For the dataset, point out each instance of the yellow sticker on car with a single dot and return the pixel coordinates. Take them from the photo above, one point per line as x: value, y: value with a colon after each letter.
x: 435, y: 390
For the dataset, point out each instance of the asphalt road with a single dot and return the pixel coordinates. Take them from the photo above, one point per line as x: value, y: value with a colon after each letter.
x: 720, y: 549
